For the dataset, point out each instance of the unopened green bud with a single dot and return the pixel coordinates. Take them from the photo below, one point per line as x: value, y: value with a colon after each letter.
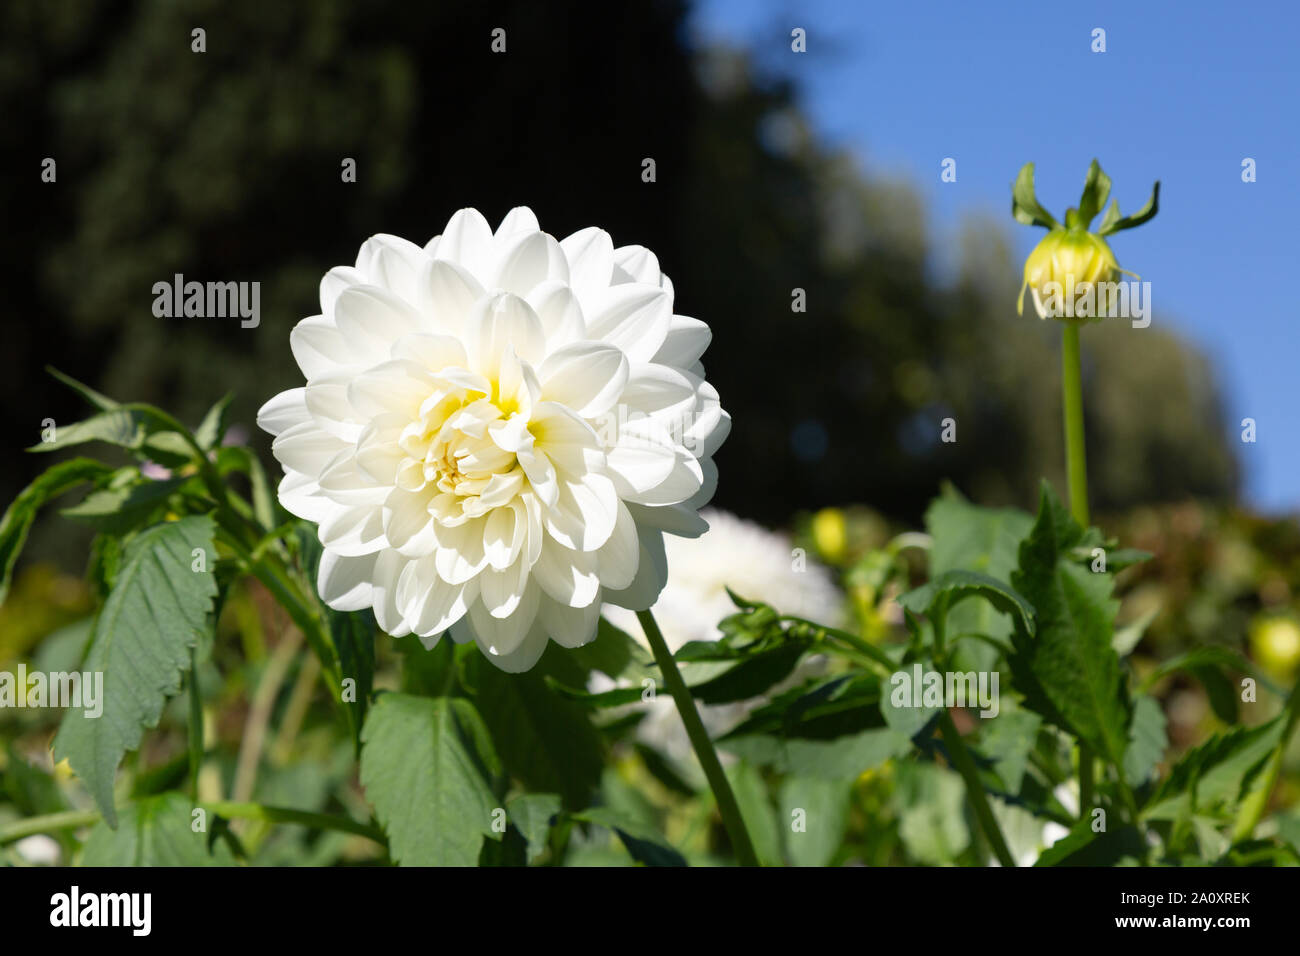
x: 1065, y: 266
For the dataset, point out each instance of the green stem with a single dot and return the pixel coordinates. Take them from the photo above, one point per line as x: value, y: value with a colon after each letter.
x: 196, y: 725
x: 1256, y: 802
x: 50, y: 823
x: 1072, y: 402
x: 703, y: 746
x: 317, y: 821
x: 979, y: 799
x: 1076, y: 468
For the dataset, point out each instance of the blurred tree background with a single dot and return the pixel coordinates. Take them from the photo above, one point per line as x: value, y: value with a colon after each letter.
x: 225, y: 165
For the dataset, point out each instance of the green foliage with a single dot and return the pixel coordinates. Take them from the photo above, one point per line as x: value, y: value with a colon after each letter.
x: 18, y: 517
x: 155, y: 831
x: 155, y: 615
x: 1073, y: 668
x: 425, y: 774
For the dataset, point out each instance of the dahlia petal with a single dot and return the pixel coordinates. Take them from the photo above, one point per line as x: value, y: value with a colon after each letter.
x: 408, y: 524
x: 352, y: 530
x: 282, y: 412
x: 306, y: 447
x: 460, y: 555
x: 685, y: 342
x: 502, y: 592
x: 590, y: 253
x: 528, y: 259
x: 560, y: 313
x: 398, y: 265
x: 319, y: 348
x: 302, y: 498
x: 566, y: 575
x: 525, y: 655
x: 584, y: 515
x: 466, y: 241
x: 397, y: 386
x: 502, y: 635
x: 633, y: 316
x: 588, y: 377
x: 344, y: 582
x: 638, y: 262
x: 332, y: 284
x: 433, y: 352
x: 617, y: 558
x: 327, y: 400
x: 569, y: 626
x: 651, y: 574
x: 518, y: 219
x: 499, y: 321
x: 389, y: 566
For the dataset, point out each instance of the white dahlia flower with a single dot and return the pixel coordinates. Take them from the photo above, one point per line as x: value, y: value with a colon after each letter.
x: 755, y: 563
x: 496, y: 432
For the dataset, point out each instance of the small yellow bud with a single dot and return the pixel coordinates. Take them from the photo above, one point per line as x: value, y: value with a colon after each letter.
x: 830, y: 534
x: 1064, y: 269
x: 1275, y: 643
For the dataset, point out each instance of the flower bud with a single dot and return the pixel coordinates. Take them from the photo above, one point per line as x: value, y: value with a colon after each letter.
x: 1065, y: 268
x: 830, y: 534
x: 1275, y: 643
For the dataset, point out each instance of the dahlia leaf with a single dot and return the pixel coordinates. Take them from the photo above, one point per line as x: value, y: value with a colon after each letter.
x: 944, y: 592
x: 1213, y: 776
x: 102, y: 402
x: 531, y: 814
x: 751, y: 677
x: 1070, y: 660
x: 18, y: 517
x: 984, y: 540
x: 1147, y: 740
x: 842, y: 758
x: 427, y: 784
x: 1007, y: 740
x: 117, y: 510
x: 129, y: 426
x: 156, y: 831
x: 757, y: 810
x: 544, y: 739
x: 158, y: 610
x: 822, y: 806
x: 353, y: 635
x: 213, y: 427
x: 642, y: 843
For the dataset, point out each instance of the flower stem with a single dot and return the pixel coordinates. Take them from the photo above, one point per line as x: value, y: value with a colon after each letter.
x: 1076, y: 468
x: 703, y: 746
x: 1072, y: 400
x: 975, y: 792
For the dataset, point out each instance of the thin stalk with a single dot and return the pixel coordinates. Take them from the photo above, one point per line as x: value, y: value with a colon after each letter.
x: 50, y: 823
x: 1256, y: 802
x: 1076, y: 468
x: 703, y: 746
x: 979, y: 799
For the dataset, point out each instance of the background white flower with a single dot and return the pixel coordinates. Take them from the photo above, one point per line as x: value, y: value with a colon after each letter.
x: 496, y: 432
x: 755, y: 563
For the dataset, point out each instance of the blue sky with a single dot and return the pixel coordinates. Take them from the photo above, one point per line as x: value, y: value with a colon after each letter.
x: 1184, y: 92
